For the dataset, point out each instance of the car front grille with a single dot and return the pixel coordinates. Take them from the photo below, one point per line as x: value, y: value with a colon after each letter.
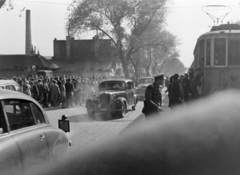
x: 104, y: 100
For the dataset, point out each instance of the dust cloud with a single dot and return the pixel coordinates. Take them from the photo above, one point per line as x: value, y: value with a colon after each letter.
x: 200, y: 138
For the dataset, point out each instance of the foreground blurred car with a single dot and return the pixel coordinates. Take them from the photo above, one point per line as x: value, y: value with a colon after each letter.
x: 26, y: 137
x: 116, y: 96
x: 142, y: 85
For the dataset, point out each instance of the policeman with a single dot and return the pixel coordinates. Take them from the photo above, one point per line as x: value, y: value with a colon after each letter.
x: 153, y: 96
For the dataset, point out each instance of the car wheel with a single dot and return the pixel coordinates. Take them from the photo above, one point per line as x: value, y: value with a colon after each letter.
x: 123, y: 111
x: 134, y: 107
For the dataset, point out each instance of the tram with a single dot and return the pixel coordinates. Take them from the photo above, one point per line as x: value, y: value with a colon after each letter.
x: 217, y: 54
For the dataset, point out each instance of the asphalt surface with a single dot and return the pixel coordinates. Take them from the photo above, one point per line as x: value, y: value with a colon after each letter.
x: 86, y: 132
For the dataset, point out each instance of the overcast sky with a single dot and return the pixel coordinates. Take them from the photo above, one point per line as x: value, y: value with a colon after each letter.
x: 185, y: 19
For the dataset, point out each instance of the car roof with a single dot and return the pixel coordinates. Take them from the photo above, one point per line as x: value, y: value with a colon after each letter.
x: 9, y: 94
x: 6, y: 82
x: 145, y: 77
x: 117, y: 79
x: 44, y: 71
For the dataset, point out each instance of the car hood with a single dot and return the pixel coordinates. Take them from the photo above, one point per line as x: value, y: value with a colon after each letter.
x: 142, y: 85
x: 111, y: 92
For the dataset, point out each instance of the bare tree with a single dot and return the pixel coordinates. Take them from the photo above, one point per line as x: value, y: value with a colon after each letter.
x: 153, y: 55
x: 125, y: 22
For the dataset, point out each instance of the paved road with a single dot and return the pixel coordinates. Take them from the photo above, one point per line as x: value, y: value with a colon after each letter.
x: 85, y: 132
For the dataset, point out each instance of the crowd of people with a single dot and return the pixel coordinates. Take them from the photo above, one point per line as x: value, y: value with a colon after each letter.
x: 70, y: 91
x: 59, y: 91
x: 184, y: 88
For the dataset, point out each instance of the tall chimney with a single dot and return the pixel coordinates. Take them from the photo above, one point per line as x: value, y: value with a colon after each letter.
x: 28, y: 41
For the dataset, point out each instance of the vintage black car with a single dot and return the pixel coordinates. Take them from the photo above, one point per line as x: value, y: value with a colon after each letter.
x: 115, y: 97
x: 143, y: 83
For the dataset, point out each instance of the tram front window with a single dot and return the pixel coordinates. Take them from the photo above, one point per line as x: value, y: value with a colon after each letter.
x: 219, y: 52
x: 208, y: 53
x: 233, y: 52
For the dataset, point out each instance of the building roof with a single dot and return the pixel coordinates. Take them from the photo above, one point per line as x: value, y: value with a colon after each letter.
x: 83, y: 65
x: 10, y: 61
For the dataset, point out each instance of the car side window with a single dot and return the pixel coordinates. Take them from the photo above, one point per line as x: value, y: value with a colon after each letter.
x: 129, y: 85
x: 38, y: 115
x: 10, y: 87
x: 19, y: 114
x: 17, y: 88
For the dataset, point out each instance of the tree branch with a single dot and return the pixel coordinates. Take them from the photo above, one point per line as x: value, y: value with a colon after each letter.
x: 105, y: 34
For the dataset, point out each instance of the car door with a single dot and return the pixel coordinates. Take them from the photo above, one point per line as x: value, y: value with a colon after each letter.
x: 29, y: 137
x: 56, y: 139
x: 10, y: 159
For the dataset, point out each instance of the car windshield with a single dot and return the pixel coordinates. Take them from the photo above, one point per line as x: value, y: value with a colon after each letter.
x: 146, y: 80
x: 112, y: 85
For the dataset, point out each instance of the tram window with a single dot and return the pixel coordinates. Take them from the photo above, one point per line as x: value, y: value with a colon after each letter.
x: 219, y: 52
x: 208, y: 52
x: 233, y: 52
x: 201, y: 54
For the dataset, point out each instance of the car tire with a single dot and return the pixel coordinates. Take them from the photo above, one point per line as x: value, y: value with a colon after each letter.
x: 134, y: 107
x: 123, y: 111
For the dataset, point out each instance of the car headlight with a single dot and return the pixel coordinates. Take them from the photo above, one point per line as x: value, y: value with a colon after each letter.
x: 112, y: 97
x: 118, y: 104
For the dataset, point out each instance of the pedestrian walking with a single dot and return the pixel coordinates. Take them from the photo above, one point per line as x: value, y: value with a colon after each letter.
x: 62, y: 92
x: 34, y: 90
x: 40, y: 90
x: 186, y: 88
x: 69, y: 93
x: 46, y: 91
x: 153, y: 97
x: 175, y: 94
x: 54, y: 93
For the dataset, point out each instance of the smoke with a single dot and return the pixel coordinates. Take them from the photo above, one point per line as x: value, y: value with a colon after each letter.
x: 199, y: 138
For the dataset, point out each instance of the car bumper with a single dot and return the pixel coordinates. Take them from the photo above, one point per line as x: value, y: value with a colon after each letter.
x: 108, y: 110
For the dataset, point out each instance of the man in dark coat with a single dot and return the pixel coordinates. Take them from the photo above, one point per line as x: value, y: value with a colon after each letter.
x: 40, y: 89
x: 186, y: 87
x: 69, y: 92
x: 175, y: 91
x: 34, y: 90
x: 153, y: 97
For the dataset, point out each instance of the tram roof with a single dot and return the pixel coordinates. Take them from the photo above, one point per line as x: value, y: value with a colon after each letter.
x: 220, y: 32
x: 224, y: 29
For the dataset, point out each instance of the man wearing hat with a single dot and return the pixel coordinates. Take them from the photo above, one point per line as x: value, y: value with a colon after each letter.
x: 176, y: 94
x: 153, y: 97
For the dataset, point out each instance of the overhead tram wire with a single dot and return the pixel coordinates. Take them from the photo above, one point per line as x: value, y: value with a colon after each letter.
x: 217, y: 8
x: 56, y: 3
